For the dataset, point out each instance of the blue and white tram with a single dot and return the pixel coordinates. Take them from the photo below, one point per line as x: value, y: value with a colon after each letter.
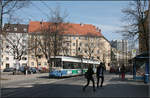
x: 70, y: 66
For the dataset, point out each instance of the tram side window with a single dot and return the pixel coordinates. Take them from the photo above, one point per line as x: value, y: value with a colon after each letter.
x: 58, y: 64
x: 66, y: 66
x: 71, y: 66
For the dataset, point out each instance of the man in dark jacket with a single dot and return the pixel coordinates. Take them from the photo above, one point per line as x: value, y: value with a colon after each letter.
x: 100, y: 74
x: 89, y: 77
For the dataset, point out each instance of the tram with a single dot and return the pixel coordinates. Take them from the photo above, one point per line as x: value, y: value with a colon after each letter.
x: 70, y: 66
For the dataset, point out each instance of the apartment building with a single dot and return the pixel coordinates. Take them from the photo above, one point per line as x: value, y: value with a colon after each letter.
x: 120, y: 50
x: 80, y: 39
x: 14, y: 46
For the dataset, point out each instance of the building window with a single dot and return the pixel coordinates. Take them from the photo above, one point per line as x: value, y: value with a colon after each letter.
x: 24, y: 41
x: 25, y: 53
x: 24, y: 58
x: 85, y: 51
x: 97, y: 51
x: 74, y: 44
x: 23, y: 47
x: 7, y: 46
x: 80, y: 44
x: 7, y: 65
x: 86, y: 38
x: 15, y: 29
x: 39, y: 50
x: 40, y: 56
x: 24, y: 64
x: 7, y: 58
x: 45, y: 63
x: 32, y: 63
x: 14, y: 41
x: 7, y: 52
x: 74, y: 37
x: 67, y: 44
x: 92, y: 51
x: 39, y: 63
x: 32, y: 56
x: 74, y: 50
x: 86, y: 45
x: 79, y: 49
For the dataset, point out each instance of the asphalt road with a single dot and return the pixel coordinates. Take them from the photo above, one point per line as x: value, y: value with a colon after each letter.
x: 42, y: 86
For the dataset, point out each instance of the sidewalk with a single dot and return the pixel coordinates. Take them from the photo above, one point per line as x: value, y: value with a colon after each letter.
x: 10, y: 78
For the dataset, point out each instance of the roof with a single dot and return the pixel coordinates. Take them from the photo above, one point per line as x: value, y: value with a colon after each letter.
x: 70, y: 29
x: 16, y: 28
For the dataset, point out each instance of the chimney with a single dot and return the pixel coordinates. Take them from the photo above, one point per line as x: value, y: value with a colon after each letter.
x: 97, y: 29
x: 81, y: 24
x: 100, y: 30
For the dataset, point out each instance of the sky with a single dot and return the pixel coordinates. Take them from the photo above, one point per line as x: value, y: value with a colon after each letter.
x: 106, y: 15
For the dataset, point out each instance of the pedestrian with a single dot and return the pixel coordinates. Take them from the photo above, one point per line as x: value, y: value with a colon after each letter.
x: 89, y: 77
x: 123, y: 72
x: 100, y: 74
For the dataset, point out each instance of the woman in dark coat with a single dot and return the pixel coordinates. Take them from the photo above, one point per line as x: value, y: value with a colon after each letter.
x: 89, y: 76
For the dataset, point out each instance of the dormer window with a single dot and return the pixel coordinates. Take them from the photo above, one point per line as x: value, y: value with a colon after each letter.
x: 15, y: 29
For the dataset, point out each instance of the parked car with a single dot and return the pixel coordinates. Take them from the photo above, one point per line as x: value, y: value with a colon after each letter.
x: 22, y: 69
x: 33, y: 70
x: 43, y: 69
x: 9, y: 69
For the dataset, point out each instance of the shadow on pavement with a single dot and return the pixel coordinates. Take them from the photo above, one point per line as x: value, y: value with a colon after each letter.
x: 126, y: 80
x: 64, y: 77
x: 63, y: 89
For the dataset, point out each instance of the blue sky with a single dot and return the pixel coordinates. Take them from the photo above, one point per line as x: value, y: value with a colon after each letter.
x: 106, y: 15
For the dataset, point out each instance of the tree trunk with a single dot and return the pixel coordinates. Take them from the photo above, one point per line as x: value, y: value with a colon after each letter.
x: 49, y: 64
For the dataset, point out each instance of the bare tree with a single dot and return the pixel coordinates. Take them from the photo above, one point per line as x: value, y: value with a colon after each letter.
x: 90, y: 45
x: 7, y: 7
x: 33, y: 43
x: 136, y: 16
x: 10, y: 6
x: 51, y: 37
x: 16, y: 41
